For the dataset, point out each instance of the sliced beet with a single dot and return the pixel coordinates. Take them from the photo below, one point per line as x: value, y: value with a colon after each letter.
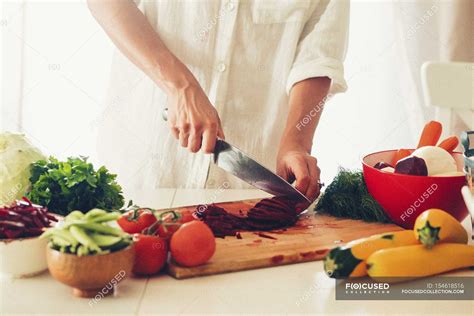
x: 381, y: 165
x: 267, y: 214
x: 412, y: 165
x: 24, y: 219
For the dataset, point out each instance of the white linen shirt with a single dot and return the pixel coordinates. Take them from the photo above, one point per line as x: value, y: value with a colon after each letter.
x: 246, y: 55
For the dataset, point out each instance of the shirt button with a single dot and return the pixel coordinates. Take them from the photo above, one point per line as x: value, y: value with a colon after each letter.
x: 230, y: 6
x: 221, y: 67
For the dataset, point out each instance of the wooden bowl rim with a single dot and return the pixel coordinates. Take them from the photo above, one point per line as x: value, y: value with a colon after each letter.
x: 91, y: 256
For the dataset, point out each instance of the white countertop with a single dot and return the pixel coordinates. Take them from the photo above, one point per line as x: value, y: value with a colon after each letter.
x: 291, y: 289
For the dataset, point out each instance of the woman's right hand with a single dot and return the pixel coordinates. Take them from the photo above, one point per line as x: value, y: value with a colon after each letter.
x: 192, y: 118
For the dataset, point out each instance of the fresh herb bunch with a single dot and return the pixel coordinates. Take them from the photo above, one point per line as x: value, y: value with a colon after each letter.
x: 64, y: 186
x: 347, y: 196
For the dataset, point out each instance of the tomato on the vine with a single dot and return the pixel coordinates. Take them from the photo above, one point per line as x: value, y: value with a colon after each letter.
x: 136, y: 220
x: 171, y: 221
x: 151, y: 253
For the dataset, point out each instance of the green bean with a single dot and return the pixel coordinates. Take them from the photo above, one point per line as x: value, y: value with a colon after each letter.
x: 99, y: 228
x: 94, y: 213
x: 106, y: 218
x: 74, y: 215
x: 83, y: 238
x: 61, y: 242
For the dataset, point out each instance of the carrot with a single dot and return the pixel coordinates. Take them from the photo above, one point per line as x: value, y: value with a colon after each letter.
x: 431, y: 134
x: 449, y: 143
x: 400, y: 154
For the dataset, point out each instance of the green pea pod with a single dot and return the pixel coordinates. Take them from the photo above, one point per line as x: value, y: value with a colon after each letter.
x: 99, y: 228
x: 105, y: 240
x: 81, y: 250
x: 73, y: 248
x: 106, y: 218
x: 66, y: 234
x: 96, y: 212
x: 74, y: 215
x: 48, y: 233
x: 83, y: 238
x: 59, y: 241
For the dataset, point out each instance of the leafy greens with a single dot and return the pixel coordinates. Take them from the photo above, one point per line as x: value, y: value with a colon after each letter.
x: 65, y: 186
x: 347, y: 196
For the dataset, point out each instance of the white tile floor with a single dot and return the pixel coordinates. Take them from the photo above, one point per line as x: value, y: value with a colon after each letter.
x: 299, y: 288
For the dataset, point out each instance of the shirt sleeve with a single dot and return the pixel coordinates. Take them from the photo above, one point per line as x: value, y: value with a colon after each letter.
x: 322, y: 46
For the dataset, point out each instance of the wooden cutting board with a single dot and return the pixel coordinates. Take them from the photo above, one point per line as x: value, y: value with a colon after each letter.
x: 309, y: 240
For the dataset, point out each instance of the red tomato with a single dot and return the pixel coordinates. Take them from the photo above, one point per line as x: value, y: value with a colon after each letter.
x: 193, y: 244
x: 171, y: 224
x: 136, y: 221
x: 151, y: 253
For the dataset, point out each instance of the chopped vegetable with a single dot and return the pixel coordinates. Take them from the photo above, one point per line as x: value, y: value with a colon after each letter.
x: 88, y: 234
x: 16, y: 155
x: 64, y: 186
x: 24, y: 219
x: 347, y: 196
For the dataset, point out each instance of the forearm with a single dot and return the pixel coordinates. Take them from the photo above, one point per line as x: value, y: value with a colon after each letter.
x: 306, y: 104
x: 131, y: 32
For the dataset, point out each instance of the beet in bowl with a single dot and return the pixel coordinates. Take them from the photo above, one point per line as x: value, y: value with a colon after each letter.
x: 22, y: 252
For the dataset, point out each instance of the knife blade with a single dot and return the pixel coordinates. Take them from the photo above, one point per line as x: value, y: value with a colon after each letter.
x: 241, y: 165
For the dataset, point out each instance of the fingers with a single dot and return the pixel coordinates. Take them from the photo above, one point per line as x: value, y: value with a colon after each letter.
x: 209, y: 138
x: 220, y: 131
x: 184, y: 135
x: 195, y: 139
x: 175, y: 132
x: 313, y: 189
x: 196, y: 130
x: 301, y: 173
x: 305, y: 170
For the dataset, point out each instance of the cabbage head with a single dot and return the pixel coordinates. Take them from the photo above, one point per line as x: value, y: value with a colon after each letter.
x: 16, y: 156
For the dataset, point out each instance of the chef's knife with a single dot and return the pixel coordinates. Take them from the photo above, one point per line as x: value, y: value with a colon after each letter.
x: 236, y: 162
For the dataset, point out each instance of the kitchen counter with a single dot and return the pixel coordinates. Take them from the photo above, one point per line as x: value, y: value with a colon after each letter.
x: 298, y: 288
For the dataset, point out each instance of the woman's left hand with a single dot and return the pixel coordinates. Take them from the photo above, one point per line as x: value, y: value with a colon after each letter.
x: 296, y: 164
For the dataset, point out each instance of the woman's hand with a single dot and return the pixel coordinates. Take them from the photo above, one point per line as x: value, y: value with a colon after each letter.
x: 296, y: 164
x: 193, y: 119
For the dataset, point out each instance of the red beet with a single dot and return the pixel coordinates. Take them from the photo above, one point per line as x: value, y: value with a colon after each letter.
x: 268, y: 214
x: 412, y: 165
x: 24, y: 219
x: 381, y: 165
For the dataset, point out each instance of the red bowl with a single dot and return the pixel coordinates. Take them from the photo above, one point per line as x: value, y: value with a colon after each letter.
x: 404, y: 197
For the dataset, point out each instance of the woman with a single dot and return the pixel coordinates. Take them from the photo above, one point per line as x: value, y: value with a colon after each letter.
x: 256, y: 72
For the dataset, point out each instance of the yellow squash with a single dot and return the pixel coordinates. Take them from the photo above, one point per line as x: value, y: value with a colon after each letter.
x: 435, y: 226
x: 349, y: 260
x: 417, y: 261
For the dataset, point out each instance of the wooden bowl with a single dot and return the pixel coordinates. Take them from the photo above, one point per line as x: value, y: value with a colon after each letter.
x: 92, y: 275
